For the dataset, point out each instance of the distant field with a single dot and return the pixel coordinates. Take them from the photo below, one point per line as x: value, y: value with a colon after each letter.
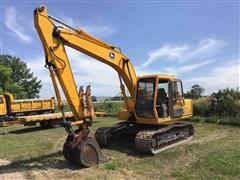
x: 35, y: 153
x: 110, y: 107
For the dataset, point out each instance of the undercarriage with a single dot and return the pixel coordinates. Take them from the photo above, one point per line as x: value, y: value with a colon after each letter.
x: 148, y: 139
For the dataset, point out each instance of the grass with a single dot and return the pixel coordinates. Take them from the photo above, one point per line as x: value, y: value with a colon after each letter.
x: 214, y: 153
x: 111, y: 108
x: 113, y: 165
x: 228, y: 120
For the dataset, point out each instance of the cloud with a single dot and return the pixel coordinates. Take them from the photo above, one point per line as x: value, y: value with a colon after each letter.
x: 13, y: 22
x: 183, y: 69
x: 176, y: 71
x: 167, y: 51
x: 221, y: 77
x: 37, y: 66
x: 223, y: 73
x: 96, y: 29
x: 206, y: 48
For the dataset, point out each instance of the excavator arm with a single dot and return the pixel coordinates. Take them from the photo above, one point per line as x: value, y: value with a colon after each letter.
x: 54, y: 38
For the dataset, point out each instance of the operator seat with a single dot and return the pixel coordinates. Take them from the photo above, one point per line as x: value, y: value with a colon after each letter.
x: 162, y: 103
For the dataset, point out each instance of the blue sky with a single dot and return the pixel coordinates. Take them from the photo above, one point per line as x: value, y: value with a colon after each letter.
x: 196, y: 41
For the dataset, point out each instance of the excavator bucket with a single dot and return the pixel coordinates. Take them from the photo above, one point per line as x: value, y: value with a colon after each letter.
x: 86, y: 154
x: 90, y: 152
x: 80, y: 147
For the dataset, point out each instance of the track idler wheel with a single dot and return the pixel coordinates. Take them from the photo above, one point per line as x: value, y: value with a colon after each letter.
x: 87, y: 153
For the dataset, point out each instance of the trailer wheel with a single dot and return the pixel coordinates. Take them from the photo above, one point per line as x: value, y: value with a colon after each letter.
x: 54, y: 124
x: 44, y: 124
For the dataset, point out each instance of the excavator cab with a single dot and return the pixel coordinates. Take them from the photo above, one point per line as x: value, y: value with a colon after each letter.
x: 159, y: 98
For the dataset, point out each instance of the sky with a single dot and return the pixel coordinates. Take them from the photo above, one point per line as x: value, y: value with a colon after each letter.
x: 196, y: 41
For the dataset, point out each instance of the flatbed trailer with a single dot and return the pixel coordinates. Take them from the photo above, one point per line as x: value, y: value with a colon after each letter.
x: 45, y: 120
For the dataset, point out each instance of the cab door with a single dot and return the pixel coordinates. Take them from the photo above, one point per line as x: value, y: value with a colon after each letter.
x: 145, y: 98
x: 177, y: 98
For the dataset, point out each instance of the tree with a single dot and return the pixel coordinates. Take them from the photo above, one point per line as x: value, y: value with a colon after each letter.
x: 94, y: 98
x: 226, y: 102
x: 21, y: 81
x: 5, y: 73
x: 116, y: 98
x: 7, y: 85
x: 195, y: 92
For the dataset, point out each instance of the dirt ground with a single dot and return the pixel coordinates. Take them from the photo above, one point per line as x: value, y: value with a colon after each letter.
x: 11, y: 175
x: 60, y: 171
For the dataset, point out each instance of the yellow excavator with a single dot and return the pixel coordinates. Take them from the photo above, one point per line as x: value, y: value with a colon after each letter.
x: 155, y: 104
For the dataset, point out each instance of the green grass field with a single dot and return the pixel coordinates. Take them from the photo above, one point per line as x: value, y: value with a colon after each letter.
x: 214, y: 153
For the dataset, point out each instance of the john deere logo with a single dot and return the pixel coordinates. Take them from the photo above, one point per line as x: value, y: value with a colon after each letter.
x: 112, y: 55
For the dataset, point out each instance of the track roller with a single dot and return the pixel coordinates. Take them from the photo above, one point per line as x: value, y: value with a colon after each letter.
x: 86, y: 154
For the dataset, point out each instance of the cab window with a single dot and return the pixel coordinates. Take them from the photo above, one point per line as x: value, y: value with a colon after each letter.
x: 177, y: 90
x: 145, y: 98
x: 1, y: 100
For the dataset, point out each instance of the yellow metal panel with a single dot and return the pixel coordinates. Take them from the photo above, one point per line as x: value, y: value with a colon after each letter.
x: 188, y: 108
x: 3, y: 107
x: 43, y: 117
x: 123, y: 115
x: 31, y: 105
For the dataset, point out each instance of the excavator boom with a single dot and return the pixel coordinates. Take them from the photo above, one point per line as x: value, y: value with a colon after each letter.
x: 54, y: 38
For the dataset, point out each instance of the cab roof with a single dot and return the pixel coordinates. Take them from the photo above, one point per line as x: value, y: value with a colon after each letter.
x: 159, y: 76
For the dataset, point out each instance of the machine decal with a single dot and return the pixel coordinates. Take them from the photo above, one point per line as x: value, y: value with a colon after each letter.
x: 112, y: 55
